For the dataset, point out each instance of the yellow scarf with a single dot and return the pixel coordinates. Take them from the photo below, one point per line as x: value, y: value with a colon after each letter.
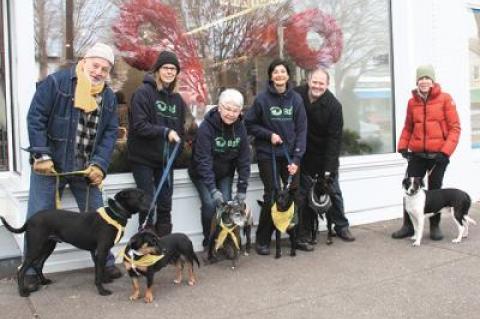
x: 84, y: 91
x: 144, y: 261
x: 224, y: 232
x: 282, y: 220
x: 112, y: 222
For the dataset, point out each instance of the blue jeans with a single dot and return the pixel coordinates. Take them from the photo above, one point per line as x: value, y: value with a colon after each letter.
x: 147, y: 179
x: 42, y: 196
x: 208, y: 207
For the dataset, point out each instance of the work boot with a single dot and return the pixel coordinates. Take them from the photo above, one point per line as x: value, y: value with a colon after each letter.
x: 345, y: 234
x: 406, y: 230
x: 31, y: 283
x: 304, y: 245
x: 113, y: 272
x: 435, y: 232
x: 263, y: 250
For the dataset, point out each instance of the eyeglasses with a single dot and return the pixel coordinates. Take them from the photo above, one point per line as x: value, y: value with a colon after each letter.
x: 231, y: 109
x: 169, y: 68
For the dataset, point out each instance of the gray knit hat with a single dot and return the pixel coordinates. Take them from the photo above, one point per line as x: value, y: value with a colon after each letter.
x: 426, y: 71
x: 101, y: 50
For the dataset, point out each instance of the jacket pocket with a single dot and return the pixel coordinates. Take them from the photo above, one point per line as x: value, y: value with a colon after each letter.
x: 58, y: 128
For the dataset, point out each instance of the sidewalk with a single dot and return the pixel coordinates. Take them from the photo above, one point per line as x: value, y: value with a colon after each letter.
x: 373, y: 277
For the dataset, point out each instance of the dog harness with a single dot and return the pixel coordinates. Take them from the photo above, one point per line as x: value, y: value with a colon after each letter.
x: 283, y: 220
x: 109, y: 220
x: 224, y: 233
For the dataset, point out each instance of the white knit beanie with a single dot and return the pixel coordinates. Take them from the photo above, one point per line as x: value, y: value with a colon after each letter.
x: 101, y: 50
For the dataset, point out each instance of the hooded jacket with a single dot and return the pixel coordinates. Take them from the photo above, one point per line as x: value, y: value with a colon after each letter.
x: 431, y: 125
x: 324, y: 134
x: 280, y: 113
x: 220, y: 149
x: 152, y: 114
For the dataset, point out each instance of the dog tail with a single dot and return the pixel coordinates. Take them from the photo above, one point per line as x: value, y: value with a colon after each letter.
x: 469, y: 219
x: 194, y: 257
x: 12, y: 229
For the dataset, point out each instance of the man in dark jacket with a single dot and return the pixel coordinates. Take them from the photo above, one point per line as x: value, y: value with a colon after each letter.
x: 72, y: 125
x: 324, y: 137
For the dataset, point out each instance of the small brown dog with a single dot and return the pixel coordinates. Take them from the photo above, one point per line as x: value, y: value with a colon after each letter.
x: 146, y: 253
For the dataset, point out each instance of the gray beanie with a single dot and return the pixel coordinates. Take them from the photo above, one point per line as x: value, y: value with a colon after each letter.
x: 101, y: 50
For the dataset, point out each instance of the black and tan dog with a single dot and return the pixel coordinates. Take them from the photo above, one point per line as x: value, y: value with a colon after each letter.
x: 146, y: 253
x: 225, y: 231
x: 93, y: 231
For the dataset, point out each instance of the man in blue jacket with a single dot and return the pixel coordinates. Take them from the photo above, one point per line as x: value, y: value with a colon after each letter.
x: 72, y: 125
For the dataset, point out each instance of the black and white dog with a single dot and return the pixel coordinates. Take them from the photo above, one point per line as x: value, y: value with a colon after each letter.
x: 421, y: 204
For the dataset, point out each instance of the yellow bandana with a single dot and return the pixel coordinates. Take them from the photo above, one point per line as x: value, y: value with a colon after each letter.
x: 112, y: 222
x: 282, y: 220
x: 224, y: 233
x: 144, y: 261
x: 84, y: 91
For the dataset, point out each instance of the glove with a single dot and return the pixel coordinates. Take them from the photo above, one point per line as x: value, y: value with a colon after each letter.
x: 43, y: 167
x: 404, y: 153
x: 95, y: 175
x: 441, y: 159
x: 240, y: 198
x: 218, y: 198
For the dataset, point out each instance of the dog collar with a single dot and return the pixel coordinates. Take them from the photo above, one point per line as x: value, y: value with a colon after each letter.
x: 109, y: 220
x: 282, y: 220
x: 226, y: 231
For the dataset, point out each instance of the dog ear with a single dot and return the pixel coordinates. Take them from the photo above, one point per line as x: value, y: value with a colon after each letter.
x: 422, y: 182
x: 405, y: 182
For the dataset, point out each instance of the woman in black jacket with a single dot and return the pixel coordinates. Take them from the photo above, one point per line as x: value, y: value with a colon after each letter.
x: 156, y: 121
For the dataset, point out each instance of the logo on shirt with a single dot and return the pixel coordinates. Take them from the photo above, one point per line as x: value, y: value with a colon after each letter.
x: 222, y: 144
x: 278, y: 113
x: 165, y: 109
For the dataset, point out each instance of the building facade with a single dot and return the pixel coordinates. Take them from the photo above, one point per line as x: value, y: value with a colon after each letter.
x: 370, y: 47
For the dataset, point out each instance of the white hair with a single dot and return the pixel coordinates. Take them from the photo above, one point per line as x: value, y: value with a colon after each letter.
x: 231, y: 96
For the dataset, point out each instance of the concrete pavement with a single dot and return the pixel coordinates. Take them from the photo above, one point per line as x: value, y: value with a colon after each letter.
x: 373, y: 277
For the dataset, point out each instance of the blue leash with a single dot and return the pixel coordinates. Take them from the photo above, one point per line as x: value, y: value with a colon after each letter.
x: 274, y: 166
x: 165, y: 175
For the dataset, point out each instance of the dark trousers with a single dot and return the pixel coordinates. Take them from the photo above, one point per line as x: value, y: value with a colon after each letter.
x: 418, y: 167
x: 147, y: 178
x: 336, y: 213
x: 265, y: 168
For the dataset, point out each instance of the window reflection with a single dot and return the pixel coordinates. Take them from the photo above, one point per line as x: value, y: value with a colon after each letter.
x: 230, y: 44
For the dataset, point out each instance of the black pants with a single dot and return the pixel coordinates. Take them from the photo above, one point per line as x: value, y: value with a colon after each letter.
x: 418, y: 167
x: 265, y: 167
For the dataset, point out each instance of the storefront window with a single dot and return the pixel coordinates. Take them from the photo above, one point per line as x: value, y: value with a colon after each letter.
x: 3, y: 106
x: 230, y: 44
x: 474, y: 57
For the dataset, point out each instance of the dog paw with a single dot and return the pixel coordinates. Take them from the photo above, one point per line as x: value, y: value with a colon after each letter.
x: 293, y: 253
x: 192, y: 282
x: 416, y: 244
x: 148, y: 298
x: 277, y: 256
x: 134, y: 296
x: 177, y: 281
x: 456, y: 241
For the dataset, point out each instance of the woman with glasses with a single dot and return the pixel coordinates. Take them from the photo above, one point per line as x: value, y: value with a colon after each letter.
x: 156, y: 121
x: 220, y: 148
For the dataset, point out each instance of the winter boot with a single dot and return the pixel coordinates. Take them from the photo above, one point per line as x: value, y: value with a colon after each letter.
x: 407, y: 228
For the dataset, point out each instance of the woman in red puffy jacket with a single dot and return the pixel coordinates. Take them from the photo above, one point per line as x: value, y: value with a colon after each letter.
x: 430, y: 135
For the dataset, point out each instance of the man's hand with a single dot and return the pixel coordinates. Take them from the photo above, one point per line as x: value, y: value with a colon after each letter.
x: 292, y: 169
x: 173, y: 137
x: 43, y: 167
x: 276, y: 139
x: 95, y: 175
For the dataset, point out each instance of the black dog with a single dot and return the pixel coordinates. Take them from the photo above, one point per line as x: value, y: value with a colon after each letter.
x: 319, y: 200
x: 146, y: 253
x: 420, y: 204
x: 225, y: 231
x: 88, y: 231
